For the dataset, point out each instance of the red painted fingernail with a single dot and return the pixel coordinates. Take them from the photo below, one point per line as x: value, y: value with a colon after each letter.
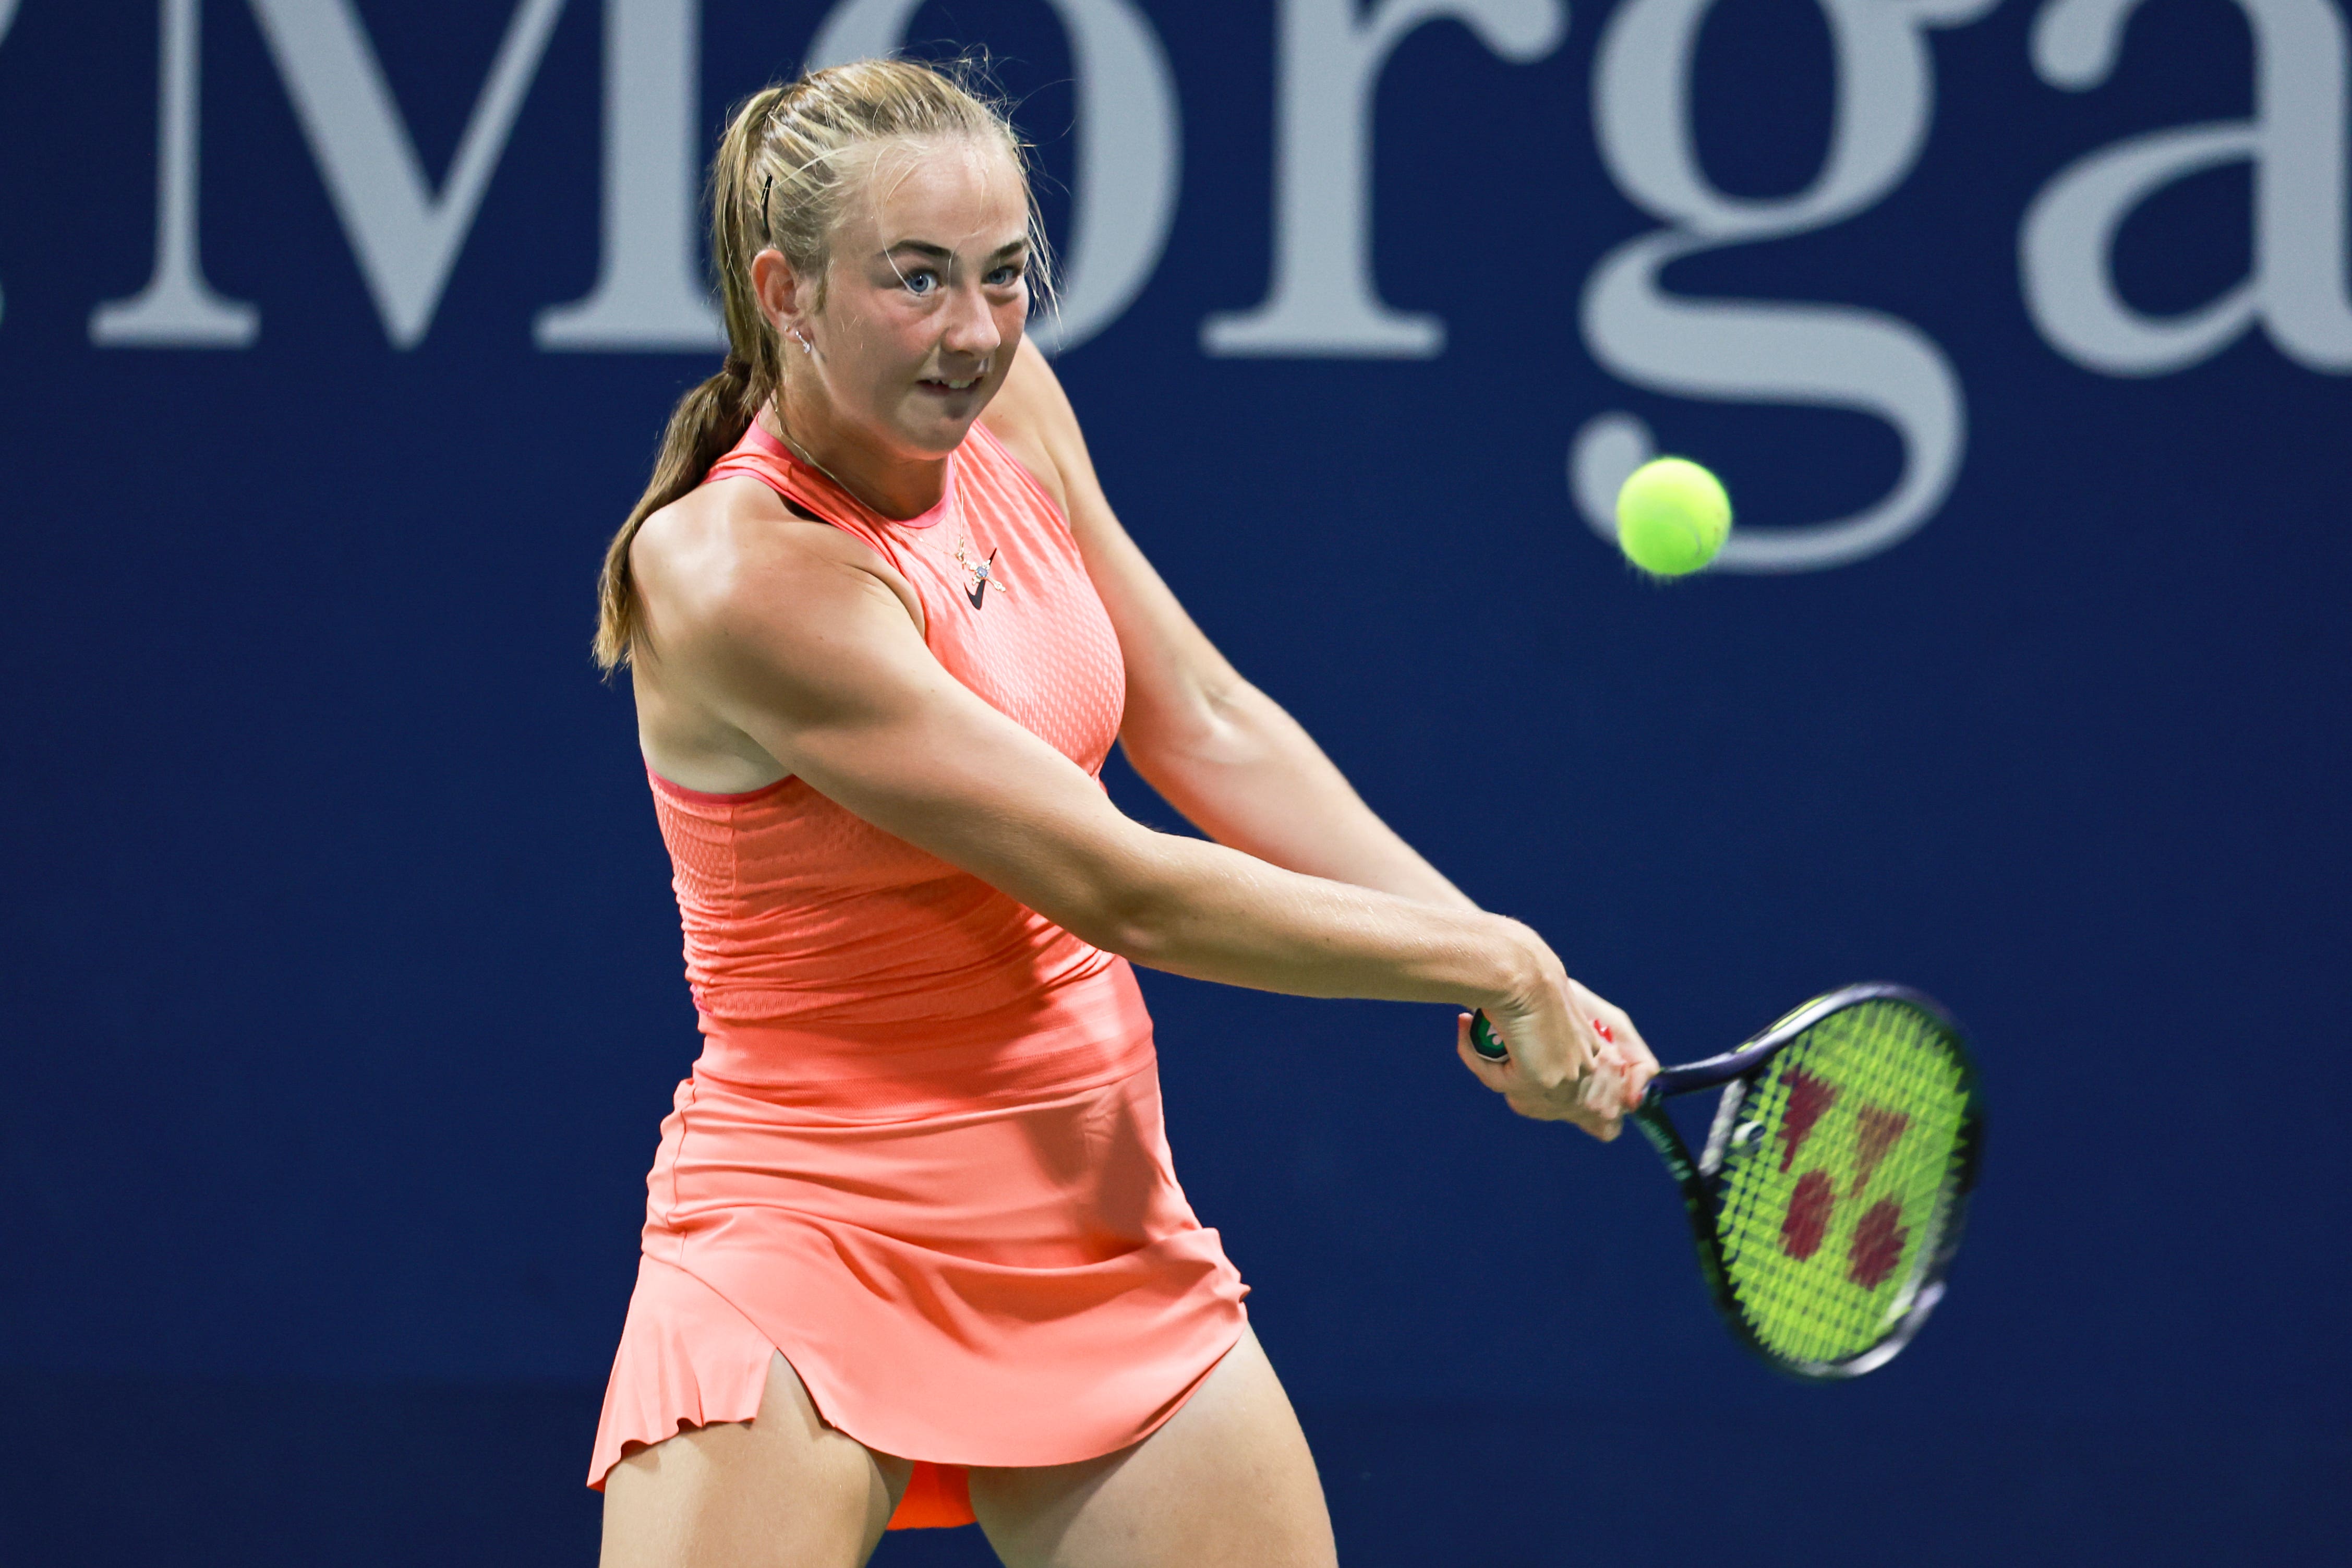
x: 1603, y: 1030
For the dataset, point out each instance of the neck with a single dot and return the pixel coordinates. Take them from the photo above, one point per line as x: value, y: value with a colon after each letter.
x: 897, y: 487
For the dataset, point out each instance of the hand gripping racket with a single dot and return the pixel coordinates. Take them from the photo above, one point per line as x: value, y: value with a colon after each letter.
x: 1828, y: 1201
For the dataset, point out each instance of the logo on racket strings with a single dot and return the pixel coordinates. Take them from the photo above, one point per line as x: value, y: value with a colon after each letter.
x: 1879, y: 1235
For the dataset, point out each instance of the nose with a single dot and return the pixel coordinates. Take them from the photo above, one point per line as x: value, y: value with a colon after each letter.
x: 970, y: 327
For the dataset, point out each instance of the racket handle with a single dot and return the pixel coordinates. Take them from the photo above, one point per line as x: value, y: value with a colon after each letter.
x: 1484, y: 1042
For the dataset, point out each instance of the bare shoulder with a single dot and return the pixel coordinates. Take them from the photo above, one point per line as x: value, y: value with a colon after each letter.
x: 730, y: 566
x: 1031, y: 415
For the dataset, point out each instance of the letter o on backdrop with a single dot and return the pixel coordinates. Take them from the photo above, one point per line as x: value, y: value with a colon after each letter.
x: 1128, y: 137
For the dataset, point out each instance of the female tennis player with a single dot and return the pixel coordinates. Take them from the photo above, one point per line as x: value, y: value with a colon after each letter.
x: 914, y: 1250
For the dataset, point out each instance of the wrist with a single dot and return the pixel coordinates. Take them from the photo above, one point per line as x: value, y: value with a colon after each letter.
x: 1519, y: 960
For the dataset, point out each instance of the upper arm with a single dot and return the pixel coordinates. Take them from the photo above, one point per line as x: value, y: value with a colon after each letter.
x: 1177, y: 681
x: 805, y: 648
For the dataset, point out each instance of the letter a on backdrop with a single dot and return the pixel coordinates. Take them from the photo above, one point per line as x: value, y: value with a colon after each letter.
x: 2296, y: 143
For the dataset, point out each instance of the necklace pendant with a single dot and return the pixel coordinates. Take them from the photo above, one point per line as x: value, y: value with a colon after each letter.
x: 981, y: 574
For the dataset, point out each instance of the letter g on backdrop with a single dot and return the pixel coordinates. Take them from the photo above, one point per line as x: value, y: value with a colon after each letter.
x: 1817, y: 356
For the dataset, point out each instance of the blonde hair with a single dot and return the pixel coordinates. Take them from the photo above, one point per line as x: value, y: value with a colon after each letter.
x: 781, y: 179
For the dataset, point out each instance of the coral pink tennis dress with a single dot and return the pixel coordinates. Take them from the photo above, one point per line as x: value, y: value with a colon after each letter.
x: 921, y: 1151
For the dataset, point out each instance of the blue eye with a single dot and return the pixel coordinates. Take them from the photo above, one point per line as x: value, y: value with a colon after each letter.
x: 1005, y: 276
x: 919, y: 282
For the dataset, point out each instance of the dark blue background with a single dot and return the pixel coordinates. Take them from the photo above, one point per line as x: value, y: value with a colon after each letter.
x: 341, y: 983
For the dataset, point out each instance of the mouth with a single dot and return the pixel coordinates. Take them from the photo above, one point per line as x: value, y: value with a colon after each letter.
x: 943, y: 386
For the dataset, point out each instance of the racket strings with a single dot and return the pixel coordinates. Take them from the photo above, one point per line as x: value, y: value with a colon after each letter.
x: 1836, y: 1197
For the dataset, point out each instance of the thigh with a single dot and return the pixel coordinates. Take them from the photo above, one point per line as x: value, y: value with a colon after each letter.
x: 1228, y: 1481
x: 782, y: 1491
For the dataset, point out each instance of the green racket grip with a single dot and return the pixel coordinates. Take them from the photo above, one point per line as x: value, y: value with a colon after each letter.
x: 1482, y: 1040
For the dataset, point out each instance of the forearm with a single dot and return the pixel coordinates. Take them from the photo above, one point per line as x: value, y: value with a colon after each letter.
x: 1214, y: 913
x: 1255, y: 780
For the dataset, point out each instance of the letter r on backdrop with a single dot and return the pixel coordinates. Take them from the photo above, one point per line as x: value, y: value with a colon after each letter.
x: 1324, y: 301
x: 1743, y: 351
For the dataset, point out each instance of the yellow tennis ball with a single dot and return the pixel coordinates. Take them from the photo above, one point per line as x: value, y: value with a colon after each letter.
x: 1672, y: 517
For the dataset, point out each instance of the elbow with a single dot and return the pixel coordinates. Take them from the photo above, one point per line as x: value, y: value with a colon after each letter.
x: 1216, y: 725
x: 1135, y: 913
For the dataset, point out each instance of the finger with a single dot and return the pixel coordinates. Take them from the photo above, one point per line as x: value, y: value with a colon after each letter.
x: 1637, y: 1084
x: 1633, y: 1045
x: 1578, y: 1063
x: 1625, y: 1081
x: 1537, y: 1106
x: 1598, y: 1109
x: 1636, y: 1065
x: 1628, y: 1039
x: 1584, y: 1064
x: 1589, y: 1120
x: 1565, y: 1103
x: 1602, y: 1096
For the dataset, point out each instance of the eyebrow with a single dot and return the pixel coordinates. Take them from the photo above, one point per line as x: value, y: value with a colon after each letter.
x: 941, y: 253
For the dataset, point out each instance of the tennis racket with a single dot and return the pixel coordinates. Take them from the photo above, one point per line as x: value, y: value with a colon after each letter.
x: 1827, y: 1200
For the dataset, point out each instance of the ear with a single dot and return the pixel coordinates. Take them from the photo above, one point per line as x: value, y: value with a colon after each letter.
x: 783, y: 294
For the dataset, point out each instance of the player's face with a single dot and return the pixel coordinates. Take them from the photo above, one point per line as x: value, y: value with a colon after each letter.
x: 927, y: 293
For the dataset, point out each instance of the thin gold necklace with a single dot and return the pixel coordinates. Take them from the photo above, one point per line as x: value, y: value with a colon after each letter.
x: 795, y: 448
x: 984, y: 573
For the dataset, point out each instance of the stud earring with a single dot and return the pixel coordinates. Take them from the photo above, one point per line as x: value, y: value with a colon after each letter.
x: 808, y: 347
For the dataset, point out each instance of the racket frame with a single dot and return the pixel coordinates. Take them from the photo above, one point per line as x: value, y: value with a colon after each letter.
x: 1736, y: 1072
